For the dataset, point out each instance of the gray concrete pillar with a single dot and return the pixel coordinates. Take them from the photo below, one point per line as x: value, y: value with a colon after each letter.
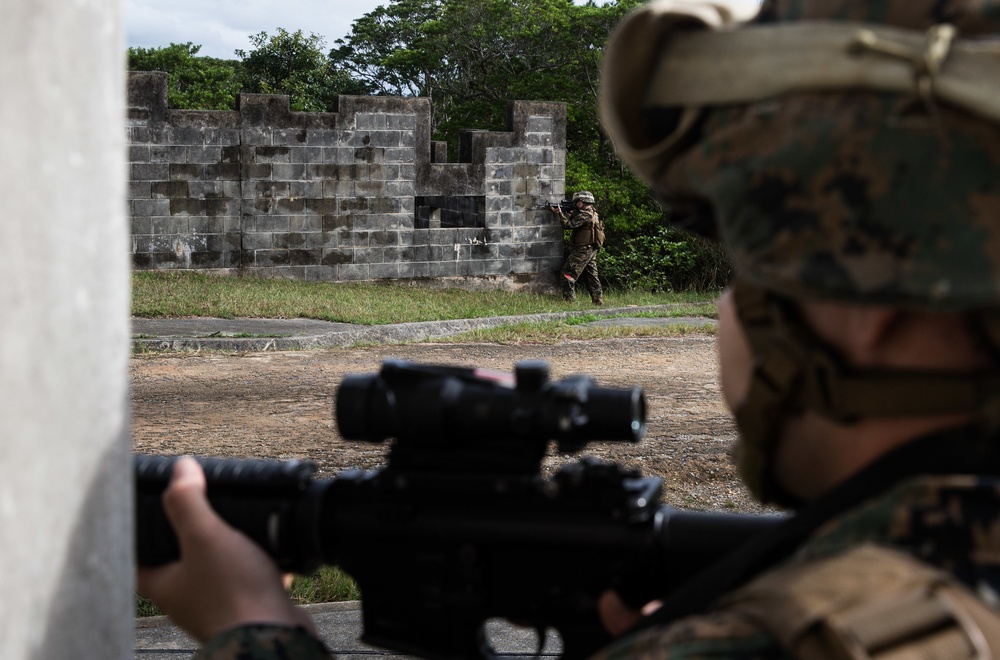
x: 65, y: 505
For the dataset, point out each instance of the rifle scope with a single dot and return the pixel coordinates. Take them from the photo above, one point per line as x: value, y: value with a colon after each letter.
x: 415, y: 402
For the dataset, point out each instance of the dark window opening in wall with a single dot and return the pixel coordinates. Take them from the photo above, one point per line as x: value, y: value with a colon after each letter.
x: 449, y: 212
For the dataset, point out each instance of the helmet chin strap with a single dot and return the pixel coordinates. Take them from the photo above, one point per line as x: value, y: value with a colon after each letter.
x: 794, y: 371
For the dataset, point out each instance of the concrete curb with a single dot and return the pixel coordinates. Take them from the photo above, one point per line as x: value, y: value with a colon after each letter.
x: 345, y: 335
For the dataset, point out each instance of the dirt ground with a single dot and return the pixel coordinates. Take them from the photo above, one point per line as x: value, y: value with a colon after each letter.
x: 280, y: 405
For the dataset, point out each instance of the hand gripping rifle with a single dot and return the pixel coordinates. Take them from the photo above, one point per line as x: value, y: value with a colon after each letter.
x: 461, y: 526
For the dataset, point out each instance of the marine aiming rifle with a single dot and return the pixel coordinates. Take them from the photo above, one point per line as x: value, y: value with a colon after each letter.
x: 461, y: 526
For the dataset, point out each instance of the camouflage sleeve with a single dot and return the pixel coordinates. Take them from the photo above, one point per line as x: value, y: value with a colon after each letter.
x: 580, y: 219
x: 264, y: 642
x: 709, y: 637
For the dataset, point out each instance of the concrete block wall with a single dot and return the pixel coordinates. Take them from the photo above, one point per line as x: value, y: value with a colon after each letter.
x: 362, y: 193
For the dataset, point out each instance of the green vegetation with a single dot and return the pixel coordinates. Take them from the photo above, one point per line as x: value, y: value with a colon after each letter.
x: 469, y: 57
x: 327, y: 585
x: 187, y: 293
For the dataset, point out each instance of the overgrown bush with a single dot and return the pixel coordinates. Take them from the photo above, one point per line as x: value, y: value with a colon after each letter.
x: 662, y: 259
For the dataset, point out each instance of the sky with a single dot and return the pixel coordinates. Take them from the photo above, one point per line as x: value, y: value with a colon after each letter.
x: 222, y: 26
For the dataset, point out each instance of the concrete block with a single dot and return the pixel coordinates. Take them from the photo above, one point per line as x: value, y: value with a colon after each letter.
x: 210, y: 153
x: 271, y: 154
x: 249, y: 171
x: 138, y: 153
x: 370, y: 188
x: 170, y: 226
x: 497, y: 267
x: 149, y: 171
x: 304, y: 257
x: 337, y: 256
x: 272, y: 189
x: 321, y: 273
x: 341, y: 155
x: 402, y: 155
x: 321, y: 138
x: 272, y: 223
x: 169, y: 189
x: 500, y: 188
x: 305, y: 189
x: 139, y: 190
x: 141, y: 225
x: 222, y: 171
x: 442, y: 269
x: 289, y: 136
x: 386, y: 138
x: 288, y: 171
x: 223, y: 242
x: 221, y: 137
x: 255, y: 240
x: 384, y: 271
x: 306, y: 223
x: 146, y: 208
x: 288, y: 240
x: 256, y: 135
x: 420, y: 253
x: 290, y: 205
x: 355, y: 205
x: 354, y: 238
x: 180, y: 206
x: 353, y: 272
x: 307, y: 155
x: 322, y: 171
x: 385, y: 204
x: 207, y: 225
x: 185, y: 135
x: 369, y: 154
x: 540, y: 124
x: 208, y: 259
x: 321, y: 205
x: 472, y: 268
x: 383, y: 238
x: 205, y: 189
x: 401, y: 121
x: 385, y: 172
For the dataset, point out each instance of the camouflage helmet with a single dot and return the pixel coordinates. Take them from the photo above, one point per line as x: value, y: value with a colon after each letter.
x: 584, y: 196
x: 841, y: 149
x: 853, y: 188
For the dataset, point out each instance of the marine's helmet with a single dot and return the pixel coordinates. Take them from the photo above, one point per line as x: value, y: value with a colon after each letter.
x: 843, y: 150
x: 585, y: 196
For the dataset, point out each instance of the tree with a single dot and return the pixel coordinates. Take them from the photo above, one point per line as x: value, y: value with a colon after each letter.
x: 293, y: 64
x: 389, y: 49
x: 193, y: 82
x: 471, y: 56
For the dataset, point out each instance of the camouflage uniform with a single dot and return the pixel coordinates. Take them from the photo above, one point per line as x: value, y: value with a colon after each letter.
x: 263, y: 642
x: 946, y: 520
x: 581, y: 262
x: 857, y: 194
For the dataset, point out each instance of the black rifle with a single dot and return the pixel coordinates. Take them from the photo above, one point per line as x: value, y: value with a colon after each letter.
x: 565, y: 206
x: 460, y: 526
